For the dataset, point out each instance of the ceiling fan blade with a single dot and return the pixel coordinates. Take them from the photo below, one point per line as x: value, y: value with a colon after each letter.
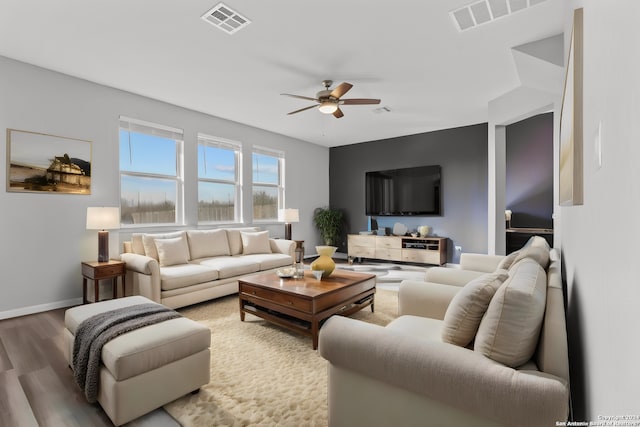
x: 359, y: 101
x: 302, y: 109
x: 341, y: 89
x: 299, y: 96
x: 338, y: 113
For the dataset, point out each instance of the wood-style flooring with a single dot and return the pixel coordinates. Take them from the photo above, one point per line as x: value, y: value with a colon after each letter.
x: 36, y: 384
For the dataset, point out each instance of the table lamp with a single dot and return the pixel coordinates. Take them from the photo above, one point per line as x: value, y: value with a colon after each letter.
x: 289, y: 216
x: 103, y: 219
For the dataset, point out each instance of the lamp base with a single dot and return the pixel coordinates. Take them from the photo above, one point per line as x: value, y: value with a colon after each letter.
x: 103, y: 246
x: 287, y: 231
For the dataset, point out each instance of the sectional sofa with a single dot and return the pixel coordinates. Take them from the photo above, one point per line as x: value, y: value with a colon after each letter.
x: 485, y: 345
x: 186, y: 267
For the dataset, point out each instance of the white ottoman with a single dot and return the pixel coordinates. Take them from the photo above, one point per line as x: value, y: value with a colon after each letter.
x: 146, y: 368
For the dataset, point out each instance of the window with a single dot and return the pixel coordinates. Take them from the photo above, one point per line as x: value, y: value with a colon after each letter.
x: 151, y: 181
x: 268, y: 184
x: 219, y: 186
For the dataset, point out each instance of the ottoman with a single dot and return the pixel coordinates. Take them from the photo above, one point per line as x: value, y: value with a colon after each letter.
x: 146, y: 368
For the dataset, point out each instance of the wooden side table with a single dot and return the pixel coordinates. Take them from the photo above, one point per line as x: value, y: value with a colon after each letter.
x: 96, y: 271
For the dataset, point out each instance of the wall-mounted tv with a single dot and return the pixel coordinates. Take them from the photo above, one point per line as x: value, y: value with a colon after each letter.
x: 407, y: 191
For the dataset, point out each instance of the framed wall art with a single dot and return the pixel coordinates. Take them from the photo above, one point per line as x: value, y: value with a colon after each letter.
x: 571, y: 145
x: 42, y: 163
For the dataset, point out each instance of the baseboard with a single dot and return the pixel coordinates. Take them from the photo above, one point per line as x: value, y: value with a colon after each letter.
x: 39, y: 308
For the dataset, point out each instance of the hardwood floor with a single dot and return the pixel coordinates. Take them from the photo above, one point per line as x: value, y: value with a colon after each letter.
x: 36, y: 384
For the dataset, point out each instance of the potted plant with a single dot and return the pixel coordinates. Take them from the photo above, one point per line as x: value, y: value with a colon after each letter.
x: 330, y: 223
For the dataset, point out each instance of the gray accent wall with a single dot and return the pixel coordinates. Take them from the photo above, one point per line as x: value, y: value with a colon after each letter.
x: 462, y: 154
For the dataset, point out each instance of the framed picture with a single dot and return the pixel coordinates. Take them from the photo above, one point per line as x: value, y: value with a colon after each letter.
x: 571, y: 162
x: 39, y: 162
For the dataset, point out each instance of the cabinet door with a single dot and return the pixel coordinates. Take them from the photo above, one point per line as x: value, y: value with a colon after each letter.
x: 420, y: 255
x: 388, y: 242
x: 389, y: 254
x: 361, y: 252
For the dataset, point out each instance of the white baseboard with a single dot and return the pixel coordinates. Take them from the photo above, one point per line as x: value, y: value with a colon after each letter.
x: 39, y: 308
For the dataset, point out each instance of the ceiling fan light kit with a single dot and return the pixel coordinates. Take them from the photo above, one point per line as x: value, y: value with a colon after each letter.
x: 328, y: 107
x: 328, y: 101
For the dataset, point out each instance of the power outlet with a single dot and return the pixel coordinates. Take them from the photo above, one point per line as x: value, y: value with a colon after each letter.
x: 458, y: 248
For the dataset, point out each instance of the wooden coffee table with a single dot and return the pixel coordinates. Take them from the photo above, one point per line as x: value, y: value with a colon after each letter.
x: 302, y: 305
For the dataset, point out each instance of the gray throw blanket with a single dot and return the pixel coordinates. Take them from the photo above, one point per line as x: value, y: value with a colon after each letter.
x: 93, y: 333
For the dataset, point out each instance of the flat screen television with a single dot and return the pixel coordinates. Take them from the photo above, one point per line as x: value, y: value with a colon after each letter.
x: 407, y: 191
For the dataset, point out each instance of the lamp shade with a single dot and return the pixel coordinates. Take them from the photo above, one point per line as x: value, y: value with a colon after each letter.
x: 289, y: 215
x: 103, y: 218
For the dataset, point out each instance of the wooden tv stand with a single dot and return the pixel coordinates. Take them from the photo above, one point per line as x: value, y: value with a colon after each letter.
x: 426, y: 250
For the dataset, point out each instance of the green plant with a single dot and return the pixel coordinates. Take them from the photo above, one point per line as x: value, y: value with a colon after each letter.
x: 330, y: 223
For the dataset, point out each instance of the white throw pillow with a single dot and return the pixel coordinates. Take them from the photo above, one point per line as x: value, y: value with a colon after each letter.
x: 150, y: 246
x: 208, y: 243
x: 508, y: 261
x: 235, y: 241
x: 172, y: 251
x: 536, y: 253
x: 510, y: 328
x: 255, y: 243
x: 467, y: 307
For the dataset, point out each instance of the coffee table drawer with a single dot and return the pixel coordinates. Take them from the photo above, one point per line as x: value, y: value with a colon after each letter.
x: 277, y: 297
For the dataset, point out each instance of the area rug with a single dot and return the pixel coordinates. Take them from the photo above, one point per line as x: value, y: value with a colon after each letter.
x: 262, y: 374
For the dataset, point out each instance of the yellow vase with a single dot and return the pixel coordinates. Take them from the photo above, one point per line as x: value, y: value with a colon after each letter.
x: 324, y: 262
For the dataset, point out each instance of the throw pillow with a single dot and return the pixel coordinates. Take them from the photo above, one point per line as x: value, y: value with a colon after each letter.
x: 208, y: 243
x: 172, y: 251
x: 467, y: 307
x: 150, y: 246
x: 235, y: 241
x: 255, y: 243
x: 509, y: 331
x: 508, y: 261
x: 536, y: 253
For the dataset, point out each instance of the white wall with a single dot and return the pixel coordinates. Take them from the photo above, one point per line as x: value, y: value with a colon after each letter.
x: 600, y: 238
x: 43, y: 237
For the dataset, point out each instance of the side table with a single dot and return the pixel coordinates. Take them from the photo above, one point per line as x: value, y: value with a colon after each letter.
x: 96, y: 271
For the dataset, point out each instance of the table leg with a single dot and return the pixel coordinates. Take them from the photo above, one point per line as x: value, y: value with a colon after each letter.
x: 84, y: 290
x: 96, y: 295
x: 124, y: 289
x: 315, y: 328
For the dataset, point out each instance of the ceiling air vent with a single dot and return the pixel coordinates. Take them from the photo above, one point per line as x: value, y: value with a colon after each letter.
x: 482, y: 12
x: 225, y: 18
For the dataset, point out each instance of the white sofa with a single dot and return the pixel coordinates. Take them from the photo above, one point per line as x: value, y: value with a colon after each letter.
x: 186, y: 267
x: 418, y: 371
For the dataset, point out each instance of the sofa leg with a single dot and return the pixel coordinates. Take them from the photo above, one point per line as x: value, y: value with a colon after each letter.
x: 196, y: 391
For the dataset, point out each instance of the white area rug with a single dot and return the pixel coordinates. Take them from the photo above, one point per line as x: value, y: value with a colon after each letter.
x: 388, y: 273
x: 261, y: 374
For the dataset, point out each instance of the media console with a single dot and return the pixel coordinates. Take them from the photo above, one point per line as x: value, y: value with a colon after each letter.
x: 426, y: 250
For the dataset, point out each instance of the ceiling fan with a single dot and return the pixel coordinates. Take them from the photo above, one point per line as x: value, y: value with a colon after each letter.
x: 329, y: 101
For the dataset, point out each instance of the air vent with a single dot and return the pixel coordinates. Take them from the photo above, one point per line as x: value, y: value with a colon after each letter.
x: 226, y: 19
x: 482, y: 12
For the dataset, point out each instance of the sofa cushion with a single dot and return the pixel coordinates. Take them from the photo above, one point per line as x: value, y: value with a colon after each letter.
x: 137, y: 246
x: 150, y: 246
x: 509, y: 330
x: 255, y: 243
x: 208, y: 243
x: 536, y: 253
x: 467, y: 307
x: 235, y: 241
x: 417, y: 326
x: 269, y: 261
x: 179, y: 276
x: 230, y: 266
x: 172, y: 251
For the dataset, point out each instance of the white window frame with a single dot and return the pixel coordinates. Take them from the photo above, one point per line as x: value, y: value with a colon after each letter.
x: 280, y: 185
x: 155, y: 129
x: 236, y: 147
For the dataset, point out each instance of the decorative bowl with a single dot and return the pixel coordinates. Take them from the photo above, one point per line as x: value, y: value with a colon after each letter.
x: 285, y: 273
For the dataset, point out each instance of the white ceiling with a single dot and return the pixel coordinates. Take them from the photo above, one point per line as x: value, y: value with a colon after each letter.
x: 408, y: 53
